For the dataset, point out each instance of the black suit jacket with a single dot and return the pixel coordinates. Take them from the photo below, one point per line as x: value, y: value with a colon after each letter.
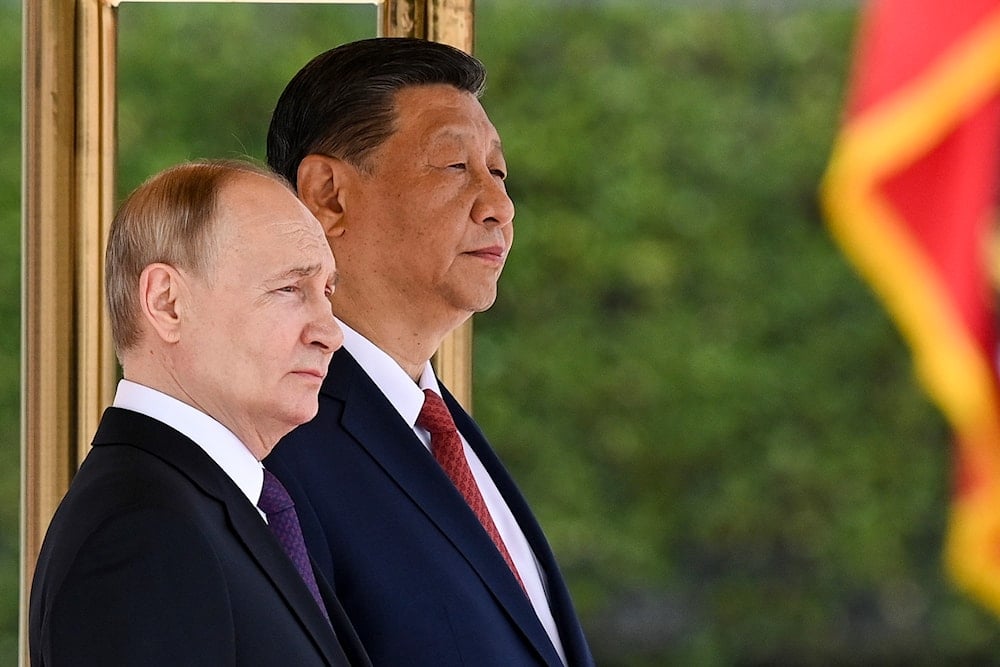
x: 422, y: 581
x: 155, y: 557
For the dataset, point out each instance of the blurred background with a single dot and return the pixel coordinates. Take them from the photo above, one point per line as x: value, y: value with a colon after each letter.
x: 713, y: 418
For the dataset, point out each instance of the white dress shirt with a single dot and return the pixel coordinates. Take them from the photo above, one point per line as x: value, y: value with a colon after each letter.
x: 228, y: 451
x: 408, y: 399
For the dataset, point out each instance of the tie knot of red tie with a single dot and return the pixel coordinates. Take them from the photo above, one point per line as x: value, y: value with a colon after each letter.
x: 434, y: 415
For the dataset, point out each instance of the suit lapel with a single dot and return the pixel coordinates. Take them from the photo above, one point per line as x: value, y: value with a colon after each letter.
x: 266, y: 550
x: 376, y: 426
x: 131, y: 428
x: 560, y: 602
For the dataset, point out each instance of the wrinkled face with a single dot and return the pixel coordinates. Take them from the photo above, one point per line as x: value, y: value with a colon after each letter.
x: 431, y: 226
x: 260, y: 331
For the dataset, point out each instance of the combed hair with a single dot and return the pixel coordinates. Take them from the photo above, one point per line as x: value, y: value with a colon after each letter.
x: 168, y: 219
x: 342, y: 102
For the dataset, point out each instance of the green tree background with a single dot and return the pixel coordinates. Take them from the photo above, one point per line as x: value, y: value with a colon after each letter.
x: 714, y: 419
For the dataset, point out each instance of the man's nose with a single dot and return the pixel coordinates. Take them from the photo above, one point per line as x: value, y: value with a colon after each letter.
x: 494, y: 206
x: 324, y: 332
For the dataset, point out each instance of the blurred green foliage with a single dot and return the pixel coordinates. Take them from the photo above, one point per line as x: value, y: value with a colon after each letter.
x: 10, y: 322
x: 713, y: 418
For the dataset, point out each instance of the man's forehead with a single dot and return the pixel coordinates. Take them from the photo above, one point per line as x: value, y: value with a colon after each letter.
x: 435, y: 101
x: 457, y: 126
x: 271, y: 222
x: 284, y: 249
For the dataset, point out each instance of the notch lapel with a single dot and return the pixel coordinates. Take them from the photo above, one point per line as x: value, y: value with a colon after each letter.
x: 570, y: 631
x: 266, y: 550
x: 178, y: 451
x: 375, y: 426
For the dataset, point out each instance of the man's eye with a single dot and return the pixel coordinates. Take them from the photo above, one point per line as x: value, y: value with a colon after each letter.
x: 499, y: 173
x: 289, y: 289
x: 457, y: 165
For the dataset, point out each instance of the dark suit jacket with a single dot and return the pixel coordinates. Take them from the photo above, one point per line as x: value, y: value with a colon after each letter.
x: 420, y: 578
x: 155, y: 557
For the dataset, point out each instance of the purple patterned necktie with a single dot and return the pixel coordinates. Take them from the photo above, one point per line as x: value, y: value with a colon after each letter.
x: 277, y: 505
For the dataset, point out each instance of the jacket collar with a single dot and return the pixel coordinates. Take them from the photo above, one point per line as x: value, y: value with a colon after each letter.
x: 125, y: 427
x: 393, y: 445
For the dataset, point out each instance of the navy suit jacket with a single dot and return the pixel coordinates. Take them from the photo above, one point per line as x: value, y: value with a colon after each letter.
x: 155, y: 557
x: 421, y: 580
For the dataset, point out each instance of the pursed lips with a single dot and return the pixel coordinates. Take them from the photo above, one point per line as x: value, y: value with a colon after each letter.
x: 318, y: 374
x: 495, y: 253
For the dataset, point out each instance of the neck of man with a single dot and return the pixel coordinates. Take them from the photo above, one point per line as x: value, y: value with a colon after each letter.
x: 410, y: 337
x: 157, y: 372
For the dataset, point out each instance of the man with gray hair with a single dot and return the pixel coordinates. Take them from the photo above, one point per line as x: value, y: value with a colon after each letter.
x: 173, y: 545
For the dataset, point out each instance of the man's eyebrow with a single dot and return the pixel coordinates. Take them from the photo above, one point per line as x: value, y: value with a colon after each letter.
x: 297, y: 272
x: 457, y: 131
x: 450, y: 133
x: 446, y: 134
x: 305, y: 272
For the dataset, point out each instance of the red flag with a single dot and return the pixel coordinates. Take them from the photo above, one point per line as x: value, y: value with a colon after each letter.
x: 910, y: 194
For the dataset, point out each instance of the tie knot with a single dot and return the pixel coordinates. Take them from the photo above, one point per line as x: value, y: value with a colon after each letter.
x: 434, y: 415
x: 273, y: 497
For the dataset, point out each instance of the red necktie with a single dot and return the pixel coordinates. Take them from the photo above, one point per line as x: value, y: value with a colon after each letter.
x: 284, y: 523
x: 447, y: 447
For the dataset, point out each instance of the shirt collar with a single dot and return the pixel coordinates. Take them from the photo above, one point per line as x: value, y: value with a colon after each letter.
x: 405, y: 395
x: 228, y: 451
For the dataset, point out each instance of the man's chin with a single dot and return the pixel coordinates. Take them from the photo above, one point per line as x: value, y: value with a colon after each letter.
x: 301, y: 414
x: 485, y: 301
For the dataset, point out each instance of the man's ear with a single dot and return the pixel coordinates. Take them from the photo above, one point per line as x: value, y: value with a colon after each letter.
x: 321, y: 180
x: 159, y: 292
